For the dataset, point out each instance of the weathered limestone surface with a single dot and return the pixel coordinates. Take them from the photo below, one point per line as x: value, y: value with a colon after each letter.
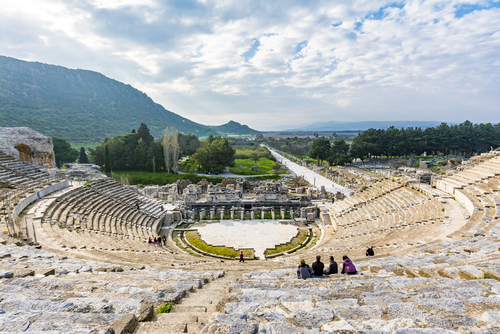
x: 40, y: 149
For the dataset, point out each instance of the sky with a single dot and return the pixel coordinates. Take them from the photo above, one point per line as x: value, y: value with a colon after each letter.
x: 277, y: 64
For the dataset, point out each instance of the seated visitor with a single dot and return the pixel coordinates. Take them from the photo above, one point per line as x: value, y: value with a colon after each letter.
x: 333, y: 268
x: 155, y: 240
x: 370, y: 252
x: 348, y: 267
x: 318, y: 267
x: 304, y: 271
x: 150, y: 241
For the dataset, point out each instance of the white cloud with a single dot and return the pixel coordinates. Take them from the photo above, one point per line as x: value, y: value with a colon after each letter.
x: 348, y: 60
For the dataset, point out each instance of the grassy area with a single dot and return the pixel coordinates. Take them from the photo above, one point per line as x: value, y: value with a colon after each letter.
x: 299, y: 239
x: 194, y: 239
x: 161, y: 178
x: 242, y: 167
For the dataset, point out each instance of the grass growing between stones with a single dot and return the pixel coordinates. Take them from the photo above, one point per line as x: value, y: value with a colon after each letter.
x: 165, y: 308
x: 194, y: 239
x: 296, y: 241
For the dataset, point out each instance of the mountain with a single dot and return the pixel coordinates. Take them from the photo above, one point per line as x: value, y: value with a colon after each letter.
x: 339, y: 126
x: 84, y: 106
x: 233, y: 127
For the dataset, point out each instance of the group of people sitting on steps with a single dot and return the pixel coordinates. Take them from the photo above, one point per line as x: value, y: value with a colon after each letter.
x: 158, y: 241
x: 318, y: 268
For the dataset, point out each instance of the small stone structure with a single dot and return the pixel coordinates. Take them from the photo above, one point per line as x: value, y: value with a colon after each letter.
x: 28, y: 145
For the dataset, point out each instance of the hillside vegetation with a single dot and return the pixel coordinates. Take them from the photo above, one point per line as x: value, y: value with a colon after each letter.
x: 85, y: 107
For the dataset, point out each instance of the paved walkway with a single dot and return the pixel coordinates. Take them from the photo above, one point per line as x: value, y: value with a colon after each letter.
x: 312, y: 177
x: 256, y: 234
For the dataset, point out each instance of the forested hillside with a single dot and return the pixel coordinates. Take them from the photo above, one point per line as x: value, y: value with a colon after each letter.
x: 83, y: 106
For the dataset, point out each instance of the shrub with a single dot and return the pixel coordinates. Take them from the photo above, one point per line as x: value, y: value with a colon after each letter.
x: 165, y: 308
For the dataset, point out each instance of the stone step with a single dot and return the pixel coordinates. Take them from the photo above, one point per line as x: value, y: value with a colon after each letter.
x: 189, y: 322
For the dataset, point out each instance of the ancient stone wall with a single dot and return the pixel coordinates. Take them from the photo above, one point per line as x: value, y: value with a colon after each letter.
x: 27, y: 145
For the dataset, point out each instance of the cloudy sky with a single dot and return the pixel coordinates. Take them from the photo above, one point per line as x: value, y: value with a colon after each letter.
x: 277, y: 63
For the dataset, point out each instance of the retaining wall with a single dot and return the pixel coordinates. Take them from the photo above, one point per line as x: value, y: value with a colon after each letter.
x: 35, y: 196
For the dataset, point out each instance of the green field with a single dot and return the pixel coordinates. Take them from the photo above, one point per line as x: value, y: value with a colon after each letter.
x: 242, y: 167
x: 160, y: 178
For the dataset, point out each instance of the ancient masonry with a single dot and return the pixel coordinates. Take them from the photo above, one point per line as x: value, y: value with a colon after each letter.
x: 27, y: 145
x: 436, y: 269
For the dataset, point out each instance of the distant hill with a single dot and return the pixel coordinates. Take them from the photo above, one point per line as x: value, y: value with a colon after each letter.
x: 85, y: 106
x: 339, y: 126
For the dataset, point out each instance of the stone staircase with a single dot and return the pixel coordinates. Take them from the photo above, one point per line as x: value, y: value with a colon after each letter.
x: 195, y: 311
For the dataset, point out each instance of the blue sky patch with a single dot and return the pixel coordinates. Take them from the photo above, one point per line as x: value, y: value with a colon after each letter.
x: 251, y: 52
x: 467, y: 9
x: 300, y: 46
x: 336, y: 24
x: 382, y: 11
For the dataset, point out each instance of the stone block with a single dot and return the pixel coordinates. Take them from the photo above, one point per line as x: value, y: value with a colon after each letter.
x: 313, y: 318
x: 412, y: 273
x: 6, y: 274
x: 362, y: 313
x: 218, y: 328
x: 492, y: 275
x: 428, y: 272
x: 146, y: 312
x: 231, y: 319
x: 45, y: 272
x: 127, y: 324
x: 489, y: 316
x: 184, y: 308
x: 399, y: 271
x: 375, y: 269
x: 463, y: 274
x: 23, y: 273
x: 444, y: 304
x: 405, y: 310
x: 450, y: 322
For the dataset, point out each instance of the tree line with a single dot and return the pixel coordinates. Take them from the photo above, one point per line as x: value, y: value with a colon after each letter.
x: 464, y: 139
x: 139, y: 151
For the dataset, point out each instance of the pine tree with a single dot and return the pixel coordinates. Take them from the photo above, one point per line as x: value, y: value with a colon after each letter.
x: 83, y: 159
x: 143, y: 132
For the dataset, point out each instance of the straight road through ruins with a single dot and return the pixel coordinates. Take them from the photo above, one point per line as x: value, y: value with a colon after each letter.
x: 310, y: 176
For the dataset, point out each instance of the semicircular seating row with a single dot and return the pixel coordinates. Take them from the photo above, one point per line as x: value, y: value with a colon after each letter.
x: 477, y: 187
x: 22, y: 175
x: 385, y: 214
x: 107, y: 207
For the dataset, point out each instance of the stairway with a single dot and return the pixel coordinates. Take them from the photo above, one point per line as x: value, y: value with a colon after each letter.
x: 194, y: 311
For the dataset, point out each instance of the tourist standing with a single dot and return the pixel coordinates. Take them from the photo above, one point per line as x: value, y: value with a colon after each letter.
x: 164, y: 241
x: 318, y: 267
x: 348, y: 267
x: 333, y: 268
x: 304, y: 271
x: 241, y: 257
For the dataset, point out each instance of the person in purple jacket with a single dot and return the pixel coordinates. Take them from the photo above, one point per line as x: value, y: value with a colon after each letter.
x: 348, y: 267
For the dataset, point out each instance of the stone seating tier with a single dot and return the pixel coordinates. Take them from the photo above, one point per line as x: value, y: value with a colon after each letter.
x: 46, y: 292
x: 449, y: 287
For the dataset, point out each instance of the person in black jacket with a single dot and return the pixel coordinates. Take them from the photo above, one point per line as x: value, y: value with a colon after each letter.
x: 333, y: 268
x: 370, y: 252
x: 318, y: 267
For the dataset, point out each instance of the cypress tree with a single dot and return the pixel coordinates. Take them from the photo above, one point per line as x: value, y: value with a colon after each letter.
x: 107, y: 160
x: 83, y: 159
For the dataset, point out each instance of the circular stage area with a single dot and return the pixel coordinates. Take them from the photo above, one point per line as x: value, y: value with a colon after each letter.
x: 256, y: 234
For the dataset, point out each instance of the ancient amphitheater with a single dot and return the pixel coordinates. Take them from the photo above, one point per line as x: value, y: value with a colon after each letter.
x: 81, y: 263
